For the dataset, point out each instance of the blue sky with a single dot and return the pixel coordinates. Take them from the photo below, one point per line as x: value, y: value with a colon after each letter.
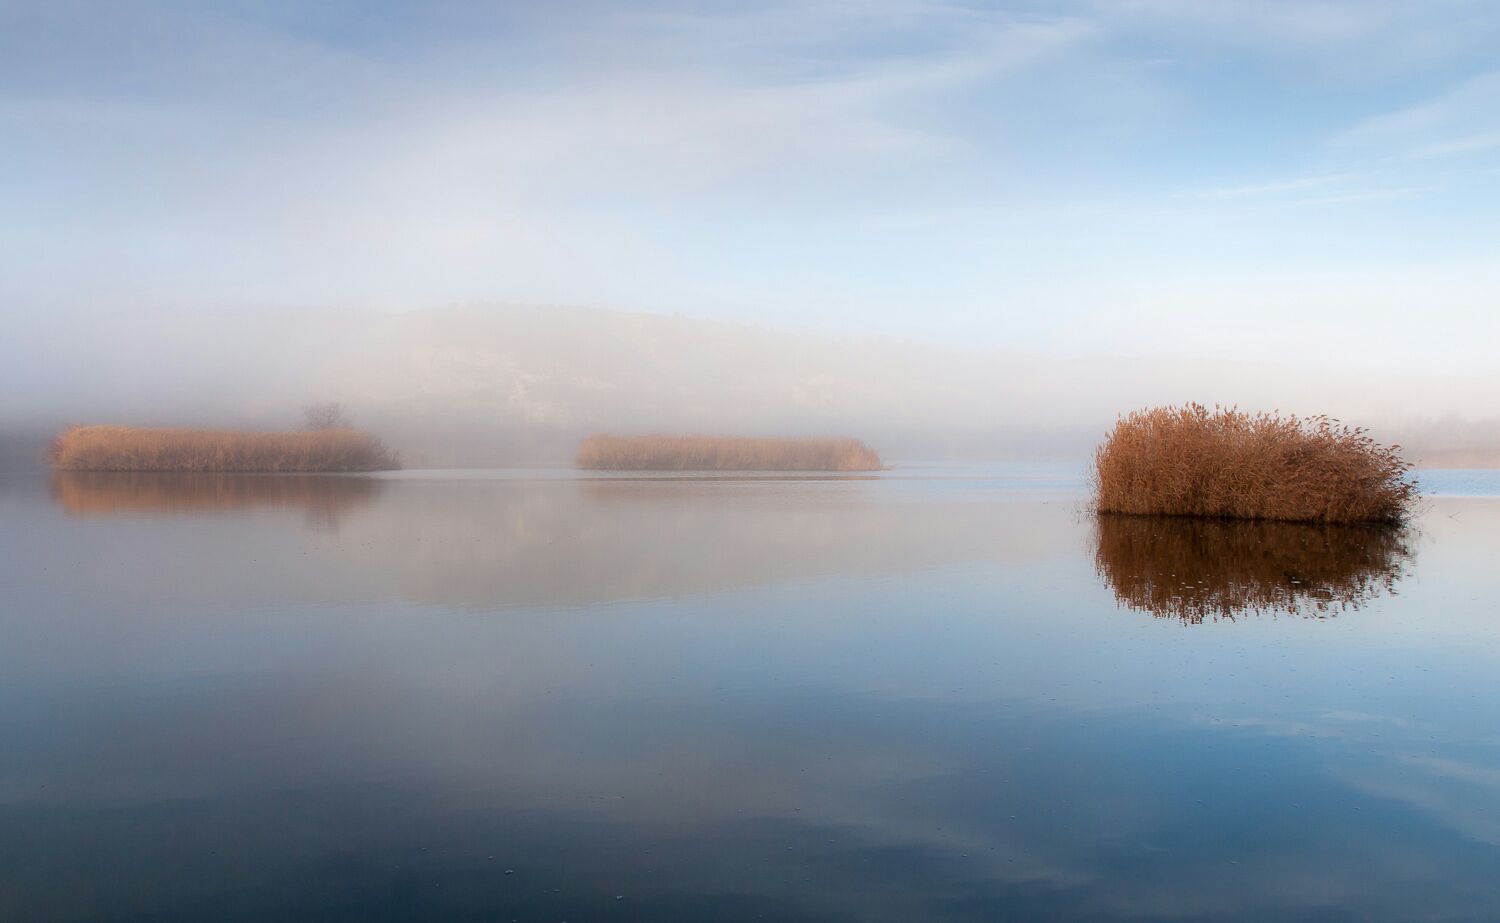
x: 1254, y: 180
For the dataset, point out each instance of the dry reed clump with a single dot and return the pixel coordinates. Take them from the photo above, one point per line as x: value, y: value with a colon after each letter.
x: 725, y: 453
x: 126, y: 448
x: 1192, y: 461
x: 1201, y: 569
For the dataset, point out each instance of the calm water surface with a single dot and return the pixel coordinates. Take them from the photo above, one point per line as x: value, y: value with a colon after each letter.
x: 935, y: 694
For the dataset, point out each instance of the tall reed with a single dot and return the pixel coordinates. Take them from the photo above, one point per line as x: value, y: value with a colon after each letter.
x: 126, y: 448
x: 1192, y: 461
x: 725, y: 453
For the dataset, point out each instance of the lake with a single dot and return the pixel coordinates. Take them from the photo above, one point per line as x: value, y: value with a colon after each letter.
x: 935, y: 693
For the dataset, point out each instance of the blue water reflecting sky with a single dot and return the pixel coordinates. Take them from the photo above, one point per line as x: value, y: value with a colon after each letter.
x: 548, y: 699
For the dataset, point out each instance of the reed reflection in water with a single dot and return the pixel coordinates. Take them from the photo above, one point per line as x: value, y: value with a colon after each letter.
x: 1197, y: 570
x: 324, y: 497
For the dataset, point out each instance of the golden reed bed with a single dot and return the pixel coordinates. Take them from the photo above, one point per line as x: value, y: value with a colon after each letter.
x: 1198, y: 570
x: 725, y: 453
x: 1224, y: 463
x: 126, y: 448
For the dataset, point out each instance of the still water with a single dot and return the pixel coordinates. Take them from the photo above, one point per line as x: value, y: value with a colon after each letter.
x: 931, y: 694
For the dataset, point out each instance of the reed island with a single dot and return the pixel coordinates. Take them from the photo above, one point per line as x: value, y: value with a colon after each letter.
x: 130, y: 448
x: 1228, y: 464
x: 725, y: 453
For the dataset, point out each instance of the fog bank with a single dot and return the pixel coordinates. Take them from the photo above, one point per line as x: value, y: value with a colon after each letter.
x: 485, y: 385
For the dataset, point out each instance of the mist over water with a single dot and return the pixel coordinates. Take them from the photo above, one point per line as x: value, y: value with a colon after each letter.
x: 495, y: 385
x: 474, y: 260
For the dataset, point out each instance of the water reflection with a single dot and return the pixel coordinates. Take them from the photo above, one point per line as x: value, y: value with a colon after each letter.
x: 504, y: 544
x: 792, y: 701
x: 1197, y: 570
x: 325, y: 498
x: 510, y: 542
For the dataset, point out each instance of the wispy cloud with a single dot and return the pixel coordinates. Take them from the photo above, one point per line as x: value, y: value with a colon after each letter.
x: 1463, y: 118
x: 1018, y: 169
x: 1461, y: 795
x: 1282, y: 187
x: 1470, y: 145
x: 1407, y: 152
x: 1351, y: 36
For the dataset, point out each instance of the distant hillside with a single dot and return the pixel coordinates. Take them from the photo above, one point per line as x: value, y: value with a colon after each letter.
x: 1454, y: 443
x: 524, y: 383
x: 504, y: 385
x: 578, y: 369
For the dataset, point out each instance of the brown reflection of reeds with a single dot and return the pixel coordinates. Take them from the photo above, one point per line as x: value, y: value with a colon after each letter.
x: 1199, y: 570
x: 105, y: 493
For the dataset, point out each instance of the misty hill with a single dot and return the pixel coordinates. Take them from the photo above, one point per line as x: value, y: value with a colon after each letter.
x: 557, y: 374
x: 533, y: 380
x: 493, y: 385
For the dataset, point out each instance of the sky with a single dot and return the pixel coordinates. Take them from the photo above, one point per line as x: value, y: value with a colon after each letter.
x: 1300, y: 182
